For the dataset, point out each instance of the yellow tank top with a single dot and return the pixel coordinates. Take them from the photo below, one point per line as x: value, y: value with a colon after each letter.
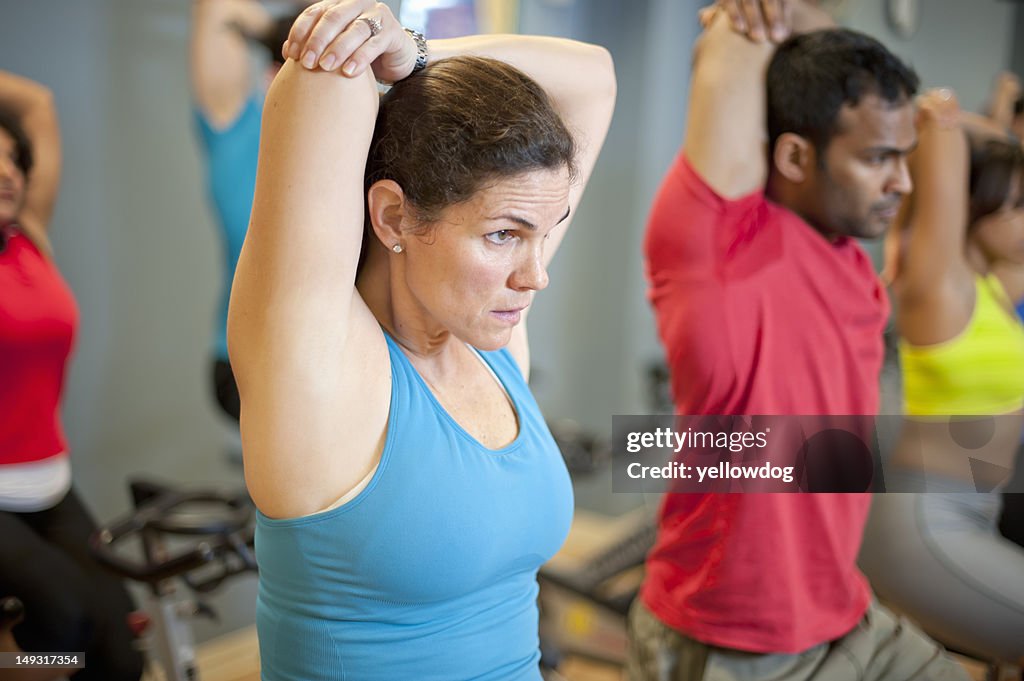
x: 979, y: 371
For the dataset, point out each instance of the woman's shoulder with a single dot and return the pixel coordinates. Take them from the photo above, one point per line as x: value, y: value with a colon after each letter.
x: 34, y: 235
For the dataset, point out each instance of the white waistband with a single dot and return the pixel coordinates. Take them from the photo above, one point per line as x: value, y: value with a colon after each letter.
x: 36, y: 485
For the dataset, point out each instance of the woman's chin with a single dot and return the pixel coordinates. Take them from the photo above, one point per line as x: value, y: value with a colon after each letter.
x: 487, y: 341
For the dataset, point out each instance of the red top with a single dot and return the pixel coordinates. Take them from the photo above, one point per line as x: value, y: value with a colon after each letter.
x: 38, y: 317
x: 760, y: 314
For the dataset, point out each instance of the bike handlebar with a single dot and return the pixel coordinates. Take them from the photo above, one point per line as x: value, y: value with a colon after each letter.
x: 222, y: 534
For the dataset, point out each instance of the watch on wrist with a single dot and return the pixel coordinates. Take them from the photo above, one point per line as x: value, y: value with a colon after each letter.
x: 421, y: 49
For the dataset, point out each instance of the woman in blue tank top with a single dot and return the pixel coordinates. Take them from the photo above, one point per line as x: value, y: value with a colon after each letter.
x: 408, y: 488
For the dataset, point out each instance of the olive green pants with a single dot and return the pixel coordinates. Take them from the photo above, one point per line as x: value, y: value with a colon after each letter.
x: 882, y: 647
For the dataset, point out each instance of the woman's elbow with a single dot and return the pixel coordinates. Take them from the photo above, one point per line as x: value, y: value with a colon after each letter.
x: 602, y: 80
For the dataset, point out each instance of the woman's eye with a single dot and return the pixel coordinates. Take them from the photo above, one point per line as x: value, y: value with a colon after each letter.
x: 501, y: 236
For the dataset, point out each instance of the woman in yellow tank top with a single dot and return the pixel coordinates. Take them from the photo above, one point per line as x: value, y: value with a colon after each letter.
x: 938, y: 556
x: 961, y: 341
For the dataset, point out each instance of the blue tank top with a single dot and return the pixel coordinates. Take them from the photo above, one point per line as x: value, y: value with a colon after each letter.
x: 429, y: 573
x: 231, y: 154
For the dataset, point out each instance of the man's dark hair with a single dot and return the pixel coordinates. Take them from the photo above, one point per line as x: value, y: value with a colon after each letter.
x: 812, y: 75
x: 1018, y: 106
x: 11, y: 124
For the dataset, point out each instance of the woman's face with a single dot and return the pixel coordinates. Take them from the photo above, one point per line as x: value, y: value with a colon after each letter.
x: 12, y: 180
x: 1000, y: 235
x: 475, y: 271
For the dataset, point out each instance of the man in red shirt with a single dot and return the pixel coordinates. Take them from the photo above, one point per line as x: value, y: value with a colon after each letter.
x: 766, y: 305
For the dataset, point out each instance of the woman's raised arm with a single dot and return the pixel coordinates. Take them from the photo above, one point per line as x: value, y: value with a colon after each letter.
x: 220, y: 68
x: 32, y: 104
x: 294, y: 298
x: 933, y: 270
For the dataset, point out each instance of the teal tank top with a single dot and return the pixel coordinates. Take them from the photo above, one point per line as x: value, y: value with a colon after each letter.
x: 429, y: 573
x: 231, y: 153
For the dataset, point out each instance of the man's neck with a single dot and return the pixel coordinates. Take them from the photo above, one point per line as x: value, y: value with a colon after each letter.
x: 779, y: 192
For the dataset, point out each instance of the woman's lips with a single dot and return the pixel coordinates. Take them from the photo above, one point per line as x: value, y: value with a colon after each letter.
x: 509, y: 316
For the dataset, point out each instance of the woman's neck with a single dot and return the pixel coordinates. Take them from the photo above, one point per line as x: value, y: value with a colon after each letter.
x: 976, y: 259
x: 393, y: 307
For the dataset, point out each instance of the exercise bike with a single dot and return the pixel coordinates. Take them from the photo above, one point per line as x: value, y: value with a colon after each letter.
x: 179, y: 544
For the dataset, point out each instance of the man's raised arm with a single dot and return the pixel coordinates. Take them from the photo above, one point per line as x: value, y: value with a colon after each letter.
x: 725, y: 131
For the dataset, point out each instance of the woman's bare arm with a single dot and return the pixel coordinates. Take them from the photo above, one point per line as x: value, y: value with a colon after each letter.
x: 33, y: 105
x: 934, y: 279
x: 293, y: 300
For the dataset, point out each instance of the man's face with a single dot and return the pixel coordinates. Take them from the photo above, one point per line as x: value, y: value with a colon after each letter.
x: 863, y: 177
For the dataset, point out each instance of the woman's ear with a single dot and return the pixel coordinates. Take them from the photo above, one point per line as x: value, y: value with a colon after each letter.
x: 386, y: 204
x: 793, y: 157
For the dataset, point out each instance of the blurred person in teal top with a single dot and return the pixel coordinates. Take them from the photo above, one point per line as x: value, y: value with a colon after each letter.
x: 408, y: 488
x: 227, y: 105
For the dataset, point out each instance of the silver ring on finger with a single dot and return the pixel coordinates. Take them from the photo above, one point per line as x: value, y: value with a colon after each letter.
x: 373, y: 23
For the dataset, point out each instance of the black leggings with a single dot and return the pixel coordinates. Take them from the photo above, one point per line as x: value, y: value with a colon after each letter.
x: 71, y: 603
x: 225, y: 390
x: 1011, y: 523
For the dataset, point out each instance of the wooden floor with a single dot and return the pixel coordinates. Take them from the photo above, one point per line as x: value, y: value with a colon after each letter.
x: 235, y: 656
x: 232, y: 657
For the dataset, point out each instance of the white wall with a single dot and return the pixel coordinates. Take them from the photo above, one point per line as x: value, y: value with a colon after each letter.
x: 961, y: 44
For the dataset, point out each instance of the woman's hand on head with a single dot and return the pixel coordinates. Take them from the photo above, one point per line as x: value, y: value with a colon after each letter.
x: 1008, y: 85
x: 342, y: 35
x: 938, y: 106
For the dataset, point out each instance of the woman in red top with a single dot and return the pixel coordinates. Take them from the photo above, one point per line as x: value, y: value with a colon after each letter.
x: 71, y: 604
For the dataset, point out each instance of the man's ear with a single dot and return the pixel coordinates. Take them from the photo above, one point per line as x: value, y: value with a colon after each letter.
x: 793, y: 156
x: 386, y: 204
